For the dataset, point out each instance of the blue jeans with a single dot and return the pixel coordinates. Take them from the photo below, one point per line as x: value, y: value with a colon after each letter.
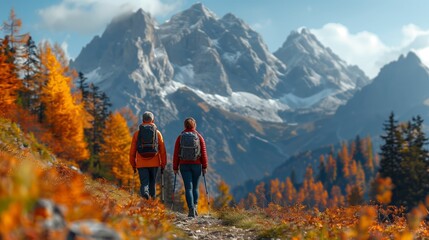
x: 191, y: 174
x: 148, y: 181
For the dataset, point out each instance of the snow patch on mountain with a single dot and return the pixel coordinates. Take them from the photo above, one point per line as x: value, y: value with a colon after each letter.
x: 297, y: 102
x: 231, y: 58
x: 243, y: 103
x: 184, y: 74
x: 94, y: 76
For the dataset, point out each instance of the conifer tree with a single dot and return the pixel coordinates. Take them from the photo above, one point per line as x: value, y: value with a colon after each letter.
x: 9, y: 82
x: 289, y: 194
x: 413, y: 186
x: 275, y: 191
x: 323, y: 175
x: 115, y: 149
x: 390, y: 151
x: 31, y: 90
x: 251, y: 201
x: 63, y: 115
x: 12, y: 28
x: 260, y: 192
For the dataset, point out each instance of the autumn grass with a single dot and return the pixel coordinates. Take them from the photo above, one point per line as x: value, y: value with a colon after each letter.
x: 26, y: 176
x: 355, y: 222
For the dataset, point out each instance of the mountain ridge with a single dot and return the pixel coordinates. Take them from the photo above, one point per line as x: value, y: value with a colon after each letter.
x: 219, y: 63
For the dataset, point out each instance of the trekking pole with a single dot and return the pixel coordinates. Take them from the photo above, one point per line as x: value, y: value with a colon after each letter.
x: 207, y: 191
x: 133, y: 184
x: 174, y: 189
x: 162, y: 186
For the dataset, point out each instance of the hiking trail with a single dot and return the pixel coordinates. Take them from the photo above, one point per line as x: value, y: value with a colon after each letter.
x: 208, y: 226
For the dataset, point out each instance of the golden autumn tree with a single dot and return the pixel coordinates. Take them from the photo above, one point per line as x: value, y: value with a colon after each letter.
x: 116, y: 147
x: 12, y: 28
x: 276, y: 191
x: 345, y: 160
x: 224, y: 198
x: 9, y: 82
x: 289, y: 192
x: 261, y: 200
x: 63, y: 115
x: 337, y: 199
x: 251, y: 201
x: 312, y: 193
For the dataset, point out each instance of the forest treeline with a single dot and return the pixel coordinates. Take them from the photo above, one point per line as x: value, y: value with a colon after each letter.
x: 60, y: 107
x: 355, y: 174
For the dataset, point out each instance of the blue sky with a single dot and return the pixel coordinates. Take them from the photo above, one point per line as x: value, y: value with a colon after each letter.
x: 367, y: 33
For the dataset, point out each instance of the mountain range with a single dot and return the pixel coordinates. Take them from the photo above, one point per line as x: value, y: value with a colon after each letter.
x: 254, y: 108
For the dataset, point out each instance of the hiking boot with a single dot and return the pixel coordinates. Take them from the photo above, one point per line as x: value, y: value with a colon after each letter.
x: 146, y: 196
x: 191, y: 213
x: 196, y: 212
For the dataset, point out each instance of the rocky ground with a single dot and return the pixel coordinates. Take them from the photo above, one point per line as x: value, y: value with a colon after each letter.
x: 209, y: 227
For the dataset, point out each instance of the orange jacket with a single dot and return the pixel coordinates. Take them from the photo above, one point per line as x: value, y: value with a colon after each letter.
x: 159, y: 160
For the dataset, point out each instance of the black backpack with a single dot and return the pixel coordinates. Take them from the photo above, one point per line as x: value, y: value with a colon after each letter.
x: 147, y: 142
x: 190, y: 148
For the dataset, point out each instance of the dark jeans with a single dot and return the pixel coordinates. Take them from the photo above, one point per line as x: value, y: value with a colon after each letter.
x: 148, y: 181
x: 191, y: 174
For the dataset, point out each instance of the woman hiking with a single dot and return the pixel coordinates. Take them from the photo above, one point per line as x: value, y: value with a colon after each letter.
x: 190, y: 156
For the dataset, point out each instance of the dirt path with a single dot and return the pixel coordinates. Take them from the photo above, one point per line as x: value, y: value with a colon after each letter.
x: 210, y: 227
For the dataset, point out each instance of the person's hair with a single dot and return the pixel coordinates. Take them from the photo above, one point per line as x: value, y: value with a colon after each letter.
x: 148, y: 117
x: 190, y: 123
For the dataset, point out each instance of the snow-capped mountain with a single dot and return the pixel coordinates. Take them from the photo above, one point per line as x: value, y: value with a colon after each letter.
x: 217, y: 70
x: 318, y: 79
x: 220, y: 55
x: 401, y: 86
x: 130, y: 64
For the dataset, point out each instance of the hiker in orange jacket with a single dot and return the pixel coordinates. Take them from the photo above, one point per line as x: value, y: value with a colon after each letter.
x: 147, y: 154
x: 190, y: 156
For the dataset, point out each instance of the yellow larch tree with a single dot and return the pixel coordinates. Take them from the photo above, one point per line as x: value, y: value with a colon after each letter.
x: 275, y: 191
x: 116, y: 147
x: 289, y: 193
x: 9, y: 83
x: 63, y: 115
x: 224, y: 198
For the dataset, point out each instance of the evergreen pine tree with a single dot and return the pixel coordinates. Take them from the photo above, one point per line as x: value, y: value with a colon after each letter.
x: 390, y: 151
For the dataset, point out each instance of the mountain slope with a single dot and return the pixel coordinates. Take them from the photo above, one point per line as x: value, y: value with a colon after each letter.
x: 317, y: 78
x: 400, y: 87
x: 129, y: 63
x: 220, y: 55
x: 217, y: 70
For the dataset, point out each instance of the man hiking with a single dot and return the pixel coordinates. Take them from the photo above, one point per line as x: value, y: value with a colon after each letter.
x: 147, y: 154
x: 190, y: 156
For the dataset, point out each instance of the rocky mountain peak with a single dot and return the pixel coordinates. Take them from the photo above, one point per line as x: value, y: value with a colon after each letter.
x: 132, y: 24
x: 193, y: 15
x: 305, y: 43
x: 232, y: 19
x: 199, y: 9
x: 410, y: 58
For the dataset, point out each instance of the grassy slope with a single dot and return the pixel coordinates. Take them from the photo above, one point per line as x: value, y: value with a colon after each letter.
x: 30, y: 172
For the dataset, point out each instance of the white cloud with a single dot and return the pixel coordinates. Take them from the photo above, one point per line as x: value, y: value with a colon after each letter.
x: 261, y: 25
x: 366, y: 49
x: 88, y: 16
x: 65, y: 46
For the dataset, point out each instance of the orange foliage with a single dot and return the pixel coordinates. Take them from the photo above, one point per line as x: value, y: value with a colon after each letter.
x: 115, y: 149
x: 204, y: 203
x: 9, y: 82
x: 23, y: 180
x: 64, y: 117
